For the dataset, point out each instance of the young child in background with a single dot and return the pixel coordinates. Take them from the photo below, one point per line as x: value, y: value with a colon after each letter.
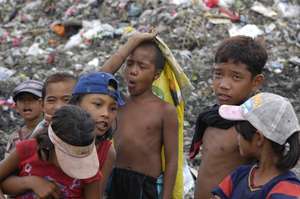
x: 27, y: 97
x: 98, y: 94
x: 64, y: 155
x: 145, y: 124
x: 268, y: 130
x: 237, y: 75
x: 57, y: 91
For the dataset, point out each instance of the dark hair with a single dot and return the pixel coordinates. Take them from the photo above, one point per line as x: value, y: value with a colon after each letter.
x: 19, y: 96
x: 57, y: 77
x: 71, y: 124
x: 159, y: 57
x: 245, y: 50
x: 76, y: 99
x: 287, y: 158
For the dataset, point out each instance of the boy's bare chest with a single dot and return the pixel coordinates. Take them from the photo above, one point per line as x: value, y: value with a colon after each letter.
x: 219, y: 141
x: 141, y: 122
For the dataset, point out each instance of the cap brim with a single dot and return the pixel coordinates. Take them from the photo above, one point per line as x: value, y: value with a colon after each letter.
x: 79, y: 168
x: 230, y: 112
x: 31, y: 91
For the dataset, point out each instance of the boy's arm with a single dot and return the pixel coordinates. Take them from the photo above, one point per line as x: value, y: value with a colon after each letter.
x: 9, y: 165
x: 113, y: 64
x: 170, y: 142
x: 16, y: 185
x: 92, y: 191
x: 107, y: 168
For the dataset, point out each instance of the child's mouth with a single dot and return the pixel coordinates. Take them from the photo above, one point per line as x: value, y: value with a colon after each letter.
x: 27, y: 110
x: 102, y: 125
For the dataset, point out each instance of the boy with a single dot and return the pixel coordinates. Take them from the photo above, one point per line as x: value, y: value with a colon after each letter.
x: 27, y: 97
x: 56, y: 92
x: 236, y: 76
x: 145, y: 124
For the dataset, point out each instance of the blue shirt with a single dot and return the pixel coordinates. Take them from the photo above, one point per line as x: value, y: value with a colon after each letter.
x: 238, y: 185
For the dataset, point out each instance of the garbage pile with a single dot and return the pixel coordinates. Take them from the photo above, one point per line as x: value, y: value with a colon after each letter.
x: 40, y: 37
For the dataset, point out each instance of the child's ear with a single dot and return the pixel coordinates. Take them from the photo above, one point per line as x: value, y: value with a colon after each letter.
x: 259, y: 139
x: 257, y: 82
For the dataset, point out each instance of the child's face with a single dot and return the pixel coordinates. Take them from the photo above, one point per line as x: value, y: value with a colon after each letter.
x: 246, y: 148
x: 233, y: 82
x: 28, y: 106
x: 140, y: 70
x: 57, y: 95
x: 102, y: 108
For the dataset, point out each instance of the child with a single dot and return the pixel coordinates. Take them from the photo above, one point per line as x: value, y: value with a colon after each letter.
x: 98, y: 94
x: 268, y: 130
x: 145, y: 124
x: 64, y: 155
x: 56, y: 92
x: 27, y: 97
x: 236, y: 76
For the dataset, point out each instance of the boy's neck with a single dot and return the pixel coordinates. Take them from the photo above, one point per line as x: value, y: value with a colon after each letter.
x: 143, y: 96
x: 31, y: 124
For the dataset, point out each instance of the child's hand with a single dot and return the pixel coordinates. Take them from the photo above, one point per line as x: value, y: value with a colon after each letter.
x: 44, y: 188
x: 143, y: 36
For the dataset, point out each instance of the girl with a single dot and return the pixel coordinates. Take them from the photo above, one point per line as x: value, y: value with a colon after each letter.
x: 98, y: 94
x: 60, y: 163
x: 268, y: 130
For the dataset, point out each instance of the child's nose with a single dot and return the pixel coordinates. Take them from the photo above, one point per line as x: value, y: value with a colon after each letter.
x: 133, y: 70
x: 225, y: 83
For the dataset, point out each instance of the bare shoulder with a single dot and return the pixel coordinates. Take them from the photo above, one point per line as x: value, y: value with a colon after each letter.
x: 166, y: 107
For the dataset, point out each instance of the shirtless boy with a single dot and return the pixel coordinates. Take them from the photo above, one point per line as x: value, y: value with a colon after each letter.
x: 236, y: 76
x: 145, y: 124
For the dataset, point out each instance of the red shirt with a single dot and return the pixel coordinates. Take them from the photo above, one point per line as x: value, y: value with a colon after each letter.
x: 31, y: 165
x: 102, y: 151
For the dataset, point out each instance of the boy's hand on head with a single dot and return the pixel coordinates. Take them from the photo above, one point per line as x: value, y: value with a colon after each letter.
x: 44, y: 188
x: 144, y: 36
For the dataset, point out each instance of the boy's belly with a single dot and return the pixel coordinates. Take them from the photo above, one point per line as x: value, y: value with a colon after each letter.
x: 139, y: 155
x: 220, y: 156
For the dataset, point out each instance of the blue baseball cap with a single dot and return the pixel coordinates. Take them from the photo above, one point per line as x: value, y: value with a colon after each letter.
x: 99, y: 82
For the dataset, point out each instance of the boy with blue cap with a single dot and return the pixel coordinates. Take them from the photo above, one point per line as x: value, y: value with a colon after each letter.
x: 98, y: 94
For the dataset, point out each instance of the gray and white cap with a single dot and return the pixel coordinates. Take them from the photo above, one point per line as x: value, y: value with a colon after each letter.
x: 271, y: 114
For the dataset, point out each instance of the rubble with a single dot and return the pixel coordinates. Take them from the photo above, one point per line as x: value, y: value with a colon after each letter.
x: 31, y: 48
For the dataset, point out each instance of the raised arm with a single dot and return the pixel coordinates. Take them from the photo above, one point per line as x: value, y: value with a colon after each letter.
x: 170, y: 141
x: 113, y: 64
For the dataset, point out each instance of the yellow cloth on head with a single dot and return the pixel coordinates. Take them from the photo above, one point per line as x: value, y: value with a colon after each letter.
x: 171, y: 86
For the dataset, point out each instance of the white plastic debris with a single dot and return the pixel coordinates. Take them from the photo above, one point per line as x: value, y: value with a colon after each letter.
x: 5, y: 73
x: 93, y: 63
x: 263, y: 10
x: 35, y: 50
x: 188, y: 179
x: 249, y: 30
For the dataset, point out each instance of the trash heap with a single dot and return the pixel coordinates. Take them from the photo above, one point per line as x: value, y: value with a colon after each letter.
x: 40, y: 37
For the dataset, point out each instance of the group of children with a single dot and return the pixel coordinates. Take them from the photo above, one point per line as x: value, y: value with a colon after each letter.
x: 83, y: 139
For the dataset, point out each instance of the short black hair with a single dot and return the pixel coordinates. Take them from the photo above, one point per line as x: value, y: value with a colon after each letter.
x: 287, y: 158
x: 159, y: 56
x: 245, y: 50
x: 71, y: 124
x: 57, y: 77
